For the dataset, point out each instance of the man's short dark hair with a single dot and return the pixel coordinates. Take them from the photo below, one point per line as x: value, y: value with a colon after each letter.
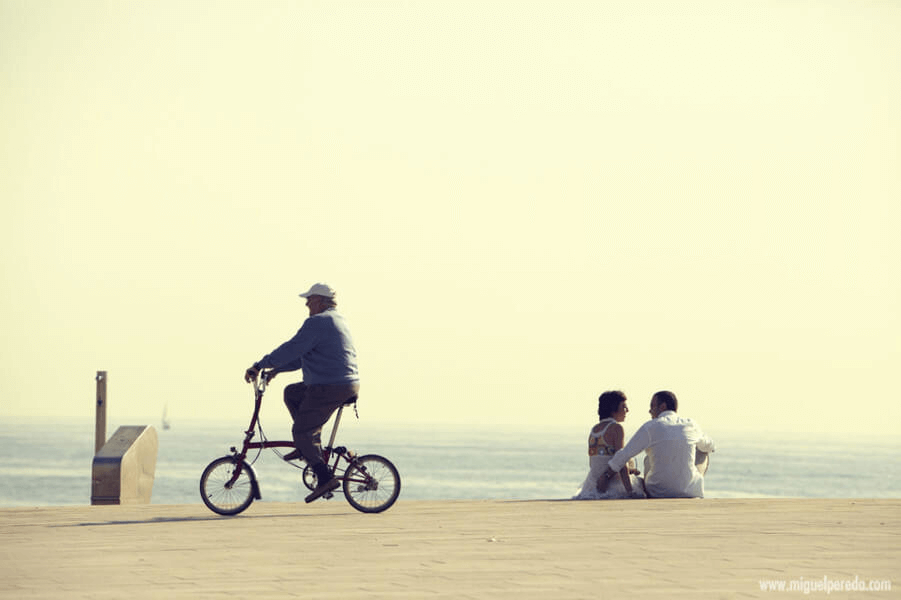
x: 668, y: 399
x: 608, y: 402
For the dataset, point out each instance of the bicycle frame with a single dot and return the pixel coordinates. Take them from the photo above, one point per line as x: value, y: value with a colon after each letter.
x: 328, y: 452
x: 228, y: 485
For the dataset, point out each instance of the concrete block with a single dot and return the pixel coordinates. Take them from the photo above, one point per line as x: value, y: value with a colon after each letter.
x: 124, y: 468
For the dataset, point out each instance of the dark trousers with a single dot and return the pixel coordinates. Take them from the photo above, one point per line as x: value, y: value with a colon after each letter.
x: 311, y: 406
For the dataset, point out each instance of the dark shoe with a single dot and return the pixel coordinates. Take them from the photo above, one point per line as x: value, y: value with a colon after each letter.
x: 323, y: 489
x: 293, y: 455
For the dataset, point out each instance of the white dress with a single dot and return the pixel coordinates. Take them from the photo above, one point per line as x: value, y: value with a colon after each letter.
x: 599, y: 454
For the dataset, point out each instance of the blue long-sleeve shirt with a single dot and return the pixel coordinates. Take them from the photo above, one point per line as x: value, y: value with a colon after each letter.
x: 322, y: 347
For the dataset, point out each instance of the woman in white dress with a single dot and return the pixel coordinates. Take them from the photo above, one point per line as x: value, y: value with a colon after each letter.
x: 604, y: 440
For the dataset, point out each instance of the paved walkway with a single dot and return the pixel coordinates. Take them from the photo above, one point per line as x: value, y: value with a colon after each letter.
x: 712, y: 548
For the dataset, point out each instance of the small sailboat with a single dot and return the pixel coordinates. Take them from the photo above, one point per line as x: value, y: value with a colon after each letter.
x: 166, y: 424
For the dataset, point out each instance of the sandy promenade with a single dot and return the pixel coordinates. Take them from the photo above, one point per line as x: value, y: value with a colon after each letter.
x: 475, y: 549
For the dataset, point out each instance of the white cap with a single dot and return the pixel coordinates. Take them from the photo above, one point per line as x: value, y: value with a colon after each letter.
x: 319, y: 289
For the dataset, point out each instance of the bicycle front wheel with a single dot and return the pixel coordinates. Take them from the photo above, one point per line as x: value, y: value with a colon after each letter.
x: 371, y: 483
x: 220, y: 497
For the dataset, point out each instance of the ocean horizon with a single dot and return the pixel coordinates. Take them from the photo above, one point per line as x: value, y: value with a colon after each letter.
x: 48, y: 462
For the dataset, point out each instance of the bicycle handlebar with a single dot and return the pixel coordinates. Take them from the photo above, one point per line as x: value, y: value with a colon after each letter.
x: 261, y: 381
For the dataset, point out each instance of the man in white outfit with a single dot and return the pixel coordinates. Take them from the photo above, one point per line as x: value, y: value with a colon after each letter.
x: 675, y: 452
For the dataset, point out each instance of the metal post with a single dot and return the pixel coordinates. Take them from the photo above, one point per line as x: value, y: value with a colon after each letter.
x: 331, y: 442
x: 100, y: 423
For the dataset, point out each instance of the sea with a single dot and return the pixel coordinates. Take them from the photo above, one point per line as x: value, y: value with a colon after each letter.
x: 49, y: 463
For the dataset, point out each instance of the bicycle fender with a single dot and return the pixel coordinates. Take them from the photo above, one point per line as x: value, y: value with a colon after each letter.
x: 253, y: 480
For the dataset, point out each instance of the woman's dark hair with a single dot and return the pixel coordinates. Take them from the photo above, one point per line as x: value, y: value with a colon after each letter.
x: 667, y: 398
x: 608, y: 402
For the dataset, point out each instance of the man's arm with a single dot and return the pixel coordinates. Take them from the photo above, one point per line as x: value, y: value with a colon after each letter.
x: 252, y: 373
x: 291, y: 366
x: 705, y: 444
x: 287, y: 357
x: 638, y: 442
x: 618, y: 435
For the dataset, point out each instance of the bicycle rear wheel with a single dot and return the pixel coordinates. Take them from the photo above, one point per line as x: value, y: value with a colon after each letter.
x: 371, y: 483
x: 217, y: 495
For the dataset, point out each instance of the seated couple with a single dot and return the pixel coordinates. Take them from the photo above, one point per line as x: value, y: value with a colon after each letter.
x: 675, y: 453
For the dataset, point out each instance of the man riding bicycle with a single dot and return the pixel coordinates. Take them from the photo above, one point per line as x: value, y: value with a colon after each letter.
x: 324, y: 350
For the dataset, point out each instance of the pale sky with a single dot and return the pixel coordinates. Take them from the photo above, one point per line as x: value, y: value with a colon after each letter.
x: 521, y: 205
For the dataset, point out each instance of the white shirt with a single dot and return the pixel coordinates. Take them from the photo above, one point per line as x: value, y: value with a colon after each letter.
x: 669, y: 442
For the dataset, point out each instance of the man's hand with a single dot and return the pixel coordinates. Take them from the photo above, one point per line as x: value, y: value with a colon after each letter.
x: 251, y: 374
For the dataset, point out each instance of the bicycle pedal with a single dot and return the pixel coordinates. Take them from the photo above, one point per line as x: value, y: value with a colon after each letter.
x: 328, y: 495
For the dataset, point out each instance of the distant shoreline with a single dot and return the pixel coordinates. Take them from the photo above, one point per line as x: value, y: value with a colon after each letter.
x: 368, y: 422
